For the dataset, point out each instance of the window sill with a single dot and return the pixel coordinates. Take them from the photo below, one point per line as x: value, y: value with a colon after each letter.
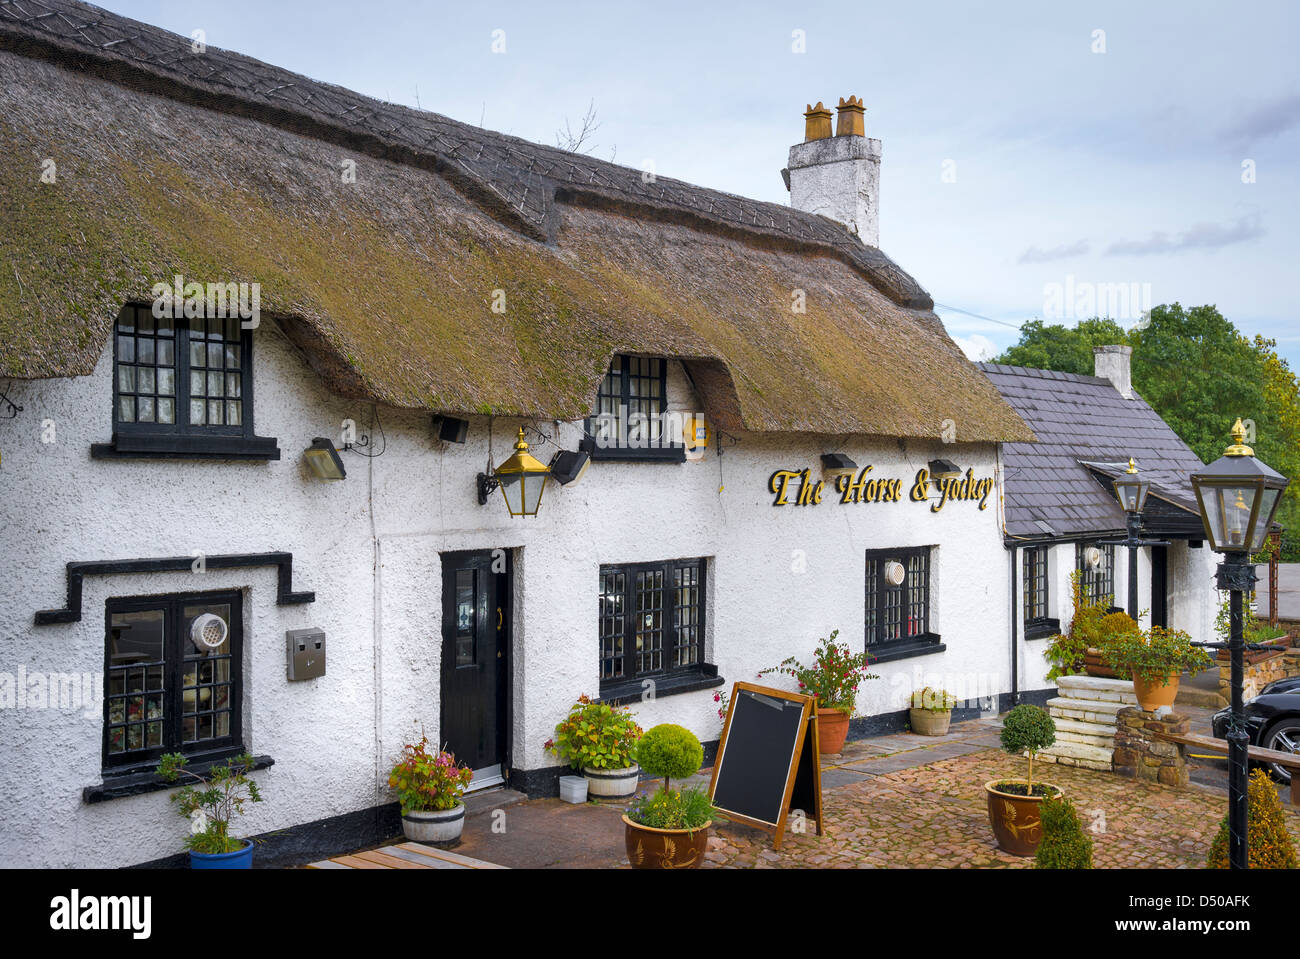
x: 138, y: 782
x: 631, y: 454
x: 1042, y: 628
x: 673, y: 684
x: 184, y: 446
x: 904, y: 650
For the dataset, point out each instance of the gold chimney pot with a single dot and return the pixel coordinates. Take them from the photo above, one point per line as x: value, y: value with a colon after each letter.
x: 817, y: 123
x: 850, y: 121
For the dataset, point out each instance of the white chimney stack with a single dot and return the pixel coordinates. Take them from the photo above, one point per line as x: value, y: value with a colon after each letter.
x: 1114, y: 363
x: 838, y: 176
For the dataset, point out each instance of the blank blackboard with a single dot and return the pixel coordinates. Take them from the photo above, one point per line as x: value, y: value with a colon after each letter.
x: 757, y: 755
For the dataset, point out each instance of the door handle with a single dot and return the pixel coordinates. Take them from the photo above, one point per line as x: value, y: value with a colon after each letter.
x: 499, y: 619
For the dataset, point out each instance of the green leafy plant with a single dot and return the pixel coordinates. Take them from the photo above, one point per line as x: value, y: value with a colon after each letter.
x: 1268, y: 844
x: 1253, y: 629
x: 1065, y: 652
x: 671, y: 752
x: 1065, y: 845
x: 426, y: 781
x: 672, y: 809
x: 211, y: 801
x: 596, y: 735
x: 833, y: 676
x: 1026, y: 730
x: 1154, y: 654
x: 933, y: 700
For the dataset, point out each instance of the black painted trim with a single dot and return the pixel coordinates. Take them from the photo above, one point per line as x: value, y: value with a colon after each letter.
x: 148, y: 781
x: 311, y: 841
x: 1042, y: 628
x: 175, y: 446
x: 674, y: 684
x: 909, y: 650
x: 76, y: 572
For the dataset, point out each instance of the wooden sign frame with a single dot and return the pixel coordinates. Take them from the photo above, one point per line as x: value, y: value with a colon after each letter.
x: 806, y: 757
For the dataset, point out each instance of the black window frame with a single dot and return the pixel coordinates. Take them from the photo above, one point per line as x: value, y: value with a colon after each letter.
x: 174, y: 648
x: 877, y: 603
x: 669, y: 678
x: 1103, y: 576
x: 1035, y: 593
x: 182, y: 438
x: 670, y: 452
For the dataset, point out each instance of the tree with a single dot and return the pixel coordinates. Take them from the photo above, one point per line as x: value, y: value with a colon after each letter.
x: 1064, y: 348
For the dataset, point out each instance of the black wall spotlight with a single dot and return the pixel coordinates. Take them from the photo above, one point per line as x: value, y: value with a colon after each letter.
x: 324, y: 461
x: 944, y: 469
x: 450, y: 429
x: 567, y: 467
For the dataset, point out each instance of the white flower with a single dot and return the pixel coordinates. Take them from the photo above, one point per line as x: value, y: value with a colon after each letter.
x: 198, y: 822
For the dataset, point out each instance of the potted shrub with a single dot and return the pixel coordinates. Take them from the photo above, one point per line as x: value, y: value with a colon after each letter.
x: 1077, y: 650
x: 669, y: 828
x: 833, y: 677
x: 599, y: 740
x: 1155, y: 658
x: 210, y: 802
x: 429, y: 787
x: 1065, y: 845
x: 1268, y: 844
x: 1013, y: 803
x: 931, y: 711
x: 1253, y: 631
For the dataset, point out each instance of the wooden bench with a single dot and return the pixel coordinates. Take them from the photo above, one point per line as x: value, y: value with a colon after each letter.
x: 406, y: 855
x: 1257, y: 753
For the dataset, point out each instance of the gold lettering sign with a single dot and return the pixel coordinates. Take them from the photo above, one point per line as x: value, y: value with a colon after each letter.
x: 864, y: 489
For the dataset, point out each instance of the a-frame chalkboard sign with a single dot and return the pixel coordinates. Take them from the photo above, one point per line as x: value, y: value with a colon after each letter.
x: 768, y: 759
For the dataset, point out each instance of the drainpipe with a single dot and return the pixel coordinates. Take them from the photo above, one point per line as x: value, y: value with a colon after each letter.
x: 1015, y: 635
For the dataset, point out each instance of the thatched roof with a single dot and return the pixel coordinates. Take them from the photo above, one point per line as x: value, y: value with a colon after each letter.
x: 224, y: 169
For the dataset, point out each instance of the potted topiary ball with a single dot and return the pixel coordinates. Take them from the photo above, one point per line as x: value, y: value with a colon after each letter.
x: 1013, y: 803
x: 669, y: 828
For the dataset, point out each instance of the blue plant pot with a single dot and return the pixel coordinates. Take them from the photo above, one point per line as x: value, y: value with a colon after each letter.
x: 239, y: 859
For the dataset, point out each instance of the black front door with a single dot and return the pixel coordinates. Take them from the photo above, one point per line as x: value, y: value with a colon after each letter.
x: 1160, y: 586
x: 475, y: 651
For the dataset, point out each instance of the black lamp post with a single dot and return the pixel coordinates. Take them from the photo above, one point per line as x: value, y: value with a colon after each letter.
x: 1132, y: 491
x: 1237, y: 496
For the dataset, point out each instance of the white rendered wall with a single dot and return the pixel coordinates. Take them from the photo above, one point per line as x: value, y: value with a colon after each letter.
x: 369, y: 548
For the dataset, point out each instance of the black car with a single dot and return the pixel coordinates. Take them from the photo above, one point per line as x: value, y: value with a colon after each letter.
x: 1272, y: 719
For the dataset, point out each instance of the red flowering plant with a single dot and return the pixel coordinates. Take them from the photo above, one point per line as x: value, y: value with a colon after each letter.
x: 425, y: 781
x: 833, y: 676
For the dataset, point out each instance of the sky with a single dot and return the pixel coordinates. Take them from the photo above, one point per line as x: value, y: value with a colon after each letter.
x: 1039, y: 160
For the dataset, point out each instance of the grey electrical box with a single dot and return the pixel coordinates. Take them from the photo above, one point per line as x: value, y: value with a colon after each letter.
x: 306, y: 653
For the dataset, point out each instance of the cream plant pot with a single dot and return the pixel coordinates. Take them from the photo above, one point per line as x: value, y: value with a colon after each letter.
x: 611, y: 783
x: 434, y: 825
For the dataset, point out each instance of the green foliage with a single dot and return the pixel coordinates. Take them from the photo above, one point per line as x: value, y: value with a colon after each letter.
x: 933, y: 700
x: 1268, y: 844
x: 1027, y: 729
x: 833, y: 677
x: 1065, y: 651
x: 1154, y: 654
x: 1065, y: 845
x: 1065, y: 348
x: 425, y: 782
x: 672, y: 809
x: 1254, y: 629
x: 596, y: 735
x: 670, y: 751
x: 212, y: 800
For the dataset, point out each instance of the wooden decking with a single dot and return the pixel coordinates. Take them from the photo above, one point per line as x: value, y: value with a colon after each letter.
x: 405, y: 855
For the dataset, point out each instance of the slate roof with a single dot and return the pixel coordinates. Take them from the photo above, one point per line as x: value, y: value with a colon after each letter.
x: 1083, y: 420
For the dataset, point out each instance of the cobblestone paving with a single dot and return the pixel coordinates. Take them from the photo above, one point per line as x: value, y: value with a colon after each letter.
x: 934, y: 816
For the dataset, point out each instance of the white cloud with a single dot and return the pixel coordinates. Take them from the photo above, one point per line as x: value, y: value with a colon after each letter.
x: 976, y: 347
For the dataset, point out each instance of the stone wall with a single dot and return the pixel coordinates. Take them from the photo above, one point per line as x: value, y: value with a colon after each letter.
x: 1256, y: 676
x: 1139, y: 754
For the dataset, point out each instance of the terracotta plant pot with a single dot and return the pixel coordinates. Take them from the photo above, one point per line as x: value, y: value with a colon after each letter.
x: 1252, y: 656
x: 1093, y: 667
x: 832, y: 730
x: 1151, y: 696
x: 930, y: 722
x: 1017, y: 824
x: 649, y: 848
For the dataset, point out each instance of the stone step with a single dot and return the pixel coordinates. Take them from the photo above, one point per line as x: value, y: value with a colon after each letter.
x: 1081, y: 763
x: 1084, y: 739
x: 1097, y: 688
x: 1085, y: 729
x: 1064, y: 750
x: 1085, y: 710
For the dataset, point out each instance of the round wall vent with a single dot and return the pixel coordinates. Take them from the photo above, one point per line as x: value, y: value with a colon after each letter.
x: 1092, y: 557
x: 895, y: 572
x: 208, y: 631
